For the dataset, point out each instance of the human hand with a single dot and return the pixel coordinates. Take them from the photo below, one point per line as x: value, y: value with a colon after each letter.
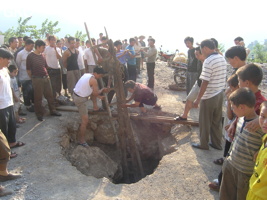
x: 196, y: 103
x: 253, y: 125
x: 231, y: 131
x: 101, y: 97
x: 227, y: 127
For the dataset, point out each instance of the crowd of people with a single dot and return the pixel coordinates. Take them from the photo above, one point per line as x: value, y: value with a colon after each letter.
x: 38, y: 69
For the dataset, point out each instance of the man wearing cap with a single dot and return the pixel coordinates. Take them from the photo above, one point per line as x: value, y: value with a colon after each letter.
x: 86, y: 86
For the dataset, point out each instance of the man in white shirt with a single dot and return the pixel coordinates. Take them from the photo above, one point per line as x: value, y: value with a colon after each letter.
x: 7, y: 115
x: 210, y: 97
x: 24, y: 79
x: 53, y: 54
x: 80, y: 56
x: 89, y: 61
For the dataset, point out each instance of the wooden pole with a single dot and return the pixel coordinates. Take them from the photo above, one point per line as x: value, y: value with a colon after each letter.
x: 105, y: 94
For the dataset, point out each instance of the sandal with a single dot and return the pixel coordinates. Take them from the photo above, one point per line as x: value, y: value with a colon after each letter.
x: 18, y: 144
x: 21, y: 120
x: 83, y: 144
x: 13, y: 155
x: 179, y: 118
x: 218, y: 161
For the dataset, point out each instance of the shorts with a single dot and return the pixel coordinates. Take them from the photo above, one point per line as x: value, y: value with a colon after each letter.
x: 192, y: 96
x: 81, y: 103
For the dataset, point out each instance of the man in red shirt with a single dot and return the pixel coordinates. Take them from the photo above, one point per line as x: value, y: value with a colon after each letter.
x: 141, y: 94
x: 37, y: 70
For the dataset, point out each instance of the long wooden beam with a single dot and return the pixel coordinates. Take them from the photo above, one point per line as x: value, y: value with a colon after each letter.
x: 135, y: 116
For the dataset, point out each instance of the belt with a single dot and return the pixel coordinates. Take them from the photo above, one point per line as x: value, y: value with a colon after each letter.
x: 49, y: 68
x: 40, y: 76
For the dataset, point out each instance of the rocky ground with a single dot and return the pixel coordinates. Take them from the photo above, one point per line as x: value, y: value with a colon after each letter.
x: 47, y: 174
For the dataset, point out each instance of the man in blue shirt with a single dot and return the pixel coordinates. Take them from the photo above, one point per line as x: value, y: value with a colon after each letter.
x: 131, y: 63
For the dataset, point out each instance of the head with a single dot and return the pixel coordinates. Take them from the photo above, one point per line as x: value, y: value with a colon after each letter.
x: 189, y: 41
x: 52, y: 40
x: 77, y: 43
x: 151, y: 42
x: 263, y: 117
x: 98, y: 72
x: 13, y: 42
x: 199, y: 55
x: 82, y: 42
x: 87, y: 43
x: 141, y: 38
x: 207, y: 47
x: 100, y: 35
x: 20, y: 39
x: 232, y: 81
x: 215, y: 42
x: 132, y: 41
x: 13, y: 70
x: 71, y: 41
x: 118, y: 44
x: 93, y: 41
x: 5, y: 57
x: 39, y: 46
x: 59, y: 44
x: 29, y: 44
x: 236, y: 56
x: 249, y: 76
x: 103, y: 39
x: 238, y: 40
x: 242, y: 101
x: 26, y: 38
x: 130, y: 86
x: 125, y: 41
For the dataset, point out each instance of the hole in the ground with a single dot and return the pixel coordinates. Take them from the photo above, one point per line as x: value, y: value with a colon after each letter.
x: 103, y: 159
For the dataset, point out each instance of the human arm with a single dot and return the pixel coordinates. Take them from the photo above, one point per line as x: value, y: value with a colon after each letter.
x: 94, y: 85
x: 19, y: 59
x: 16, y: 99
x: 58, y: 53
x: 135, y: 104
x: 65, y: 57
x: 202, y: 90
x: 232, y: 128
x: 151, y: 52
x: 29, y: 66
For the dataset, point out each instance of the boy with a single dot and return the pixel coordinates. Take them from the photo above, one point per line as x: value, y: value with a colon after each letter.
x: 191, y: 74
x: 258, y: 181
x: 13, y: 71
x: 238, y: 167
x: 141, y: 95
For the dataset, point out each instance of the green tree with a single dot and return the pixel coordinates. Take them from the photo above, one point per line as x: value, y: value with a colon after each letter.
x: 259, y: 53
x: 47, y: 27
x: 80, y: 35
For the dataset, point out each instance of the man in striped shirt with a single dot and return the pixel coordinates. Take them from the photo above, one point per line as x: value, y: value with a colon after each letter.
x: 210, y: 97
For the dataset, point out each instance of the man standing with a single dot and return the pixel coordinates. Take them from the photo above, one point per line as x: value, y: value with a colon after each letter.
x: 210, y: 97
x: 7, y: 115
x: 37, y: 70
x: 89, y: 61
x: 24, y: 79
x: 70, y: 61
x: 131, y: 63
x: 86, y: 86
x: 151, y: 55
x: 53, y: 54
x: 80, y: 56
x: 191, y: 74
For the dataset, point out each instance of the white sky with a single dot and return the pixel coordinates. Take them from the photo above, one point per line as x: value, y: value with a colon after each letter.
x: 168, y: 21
